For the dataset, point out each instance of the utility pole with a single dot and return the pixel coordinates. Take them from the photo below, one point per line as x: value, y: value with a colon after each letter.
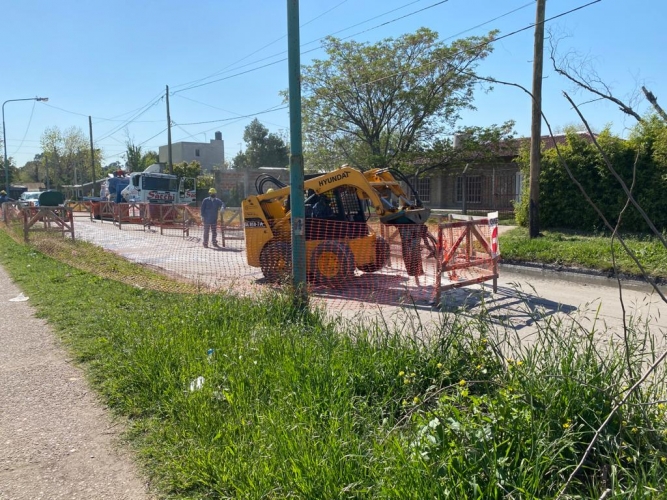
x: 46, y: 171
x: 92, y: 153
x: 169, y: 162
x: 297, y: 200
x: 536, y: 124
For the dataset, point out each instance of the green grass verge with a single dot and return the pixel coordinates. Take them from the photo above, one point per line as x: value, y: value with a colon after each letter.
x: 293, y: 406
x: 584, y: 250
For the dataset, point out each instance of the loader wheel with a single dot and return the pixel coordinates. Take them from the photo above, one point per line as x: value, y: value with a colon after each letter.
x: 331, y: 263
x: 381, y: 256
x: 276, y: 261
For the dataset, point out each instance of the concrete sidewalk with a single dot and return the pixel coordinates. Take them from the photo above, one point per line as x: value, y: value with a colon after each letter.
x: 56, y: 440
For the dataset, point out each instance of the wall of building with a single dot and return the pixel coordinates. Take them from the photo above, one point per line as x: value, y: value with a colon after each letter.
x: 209, y: 155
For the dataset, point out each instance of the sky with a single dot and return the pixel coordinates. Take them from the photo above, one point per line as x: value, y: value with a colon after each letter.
x: 223, y: 60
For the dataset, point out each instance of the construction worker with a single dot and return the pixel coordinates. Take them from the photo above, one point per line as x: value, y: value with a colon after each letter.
x: 3, y: 197
x: 209, y: 210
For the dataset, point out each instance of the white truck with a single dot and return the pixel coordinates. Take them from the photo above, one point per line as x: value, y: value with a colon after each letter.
x: 152, y: 186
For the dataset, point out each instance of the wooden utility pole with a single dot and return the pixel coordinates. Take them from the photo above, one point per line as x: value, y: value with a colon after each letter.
x: 92, y: 153
x: 169, y: 162
x: 536, y: 124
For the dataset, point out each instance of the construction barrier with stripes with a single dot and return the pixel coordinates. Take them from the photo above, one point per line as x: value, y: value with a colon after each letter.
x: 348, y: 263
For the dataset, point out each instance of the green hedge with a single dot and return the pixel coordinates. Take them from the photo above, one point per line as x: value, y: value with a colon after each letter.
x: 562, y: 205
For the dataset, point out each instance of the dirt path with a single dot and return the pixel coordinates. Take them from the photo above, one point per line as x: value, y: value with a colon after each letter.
x: 56, y: 440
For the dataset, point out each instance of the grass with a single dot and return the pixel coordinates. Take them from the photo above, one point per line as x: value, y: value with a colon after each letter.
x: 292, y: 405
x: 574, y: 249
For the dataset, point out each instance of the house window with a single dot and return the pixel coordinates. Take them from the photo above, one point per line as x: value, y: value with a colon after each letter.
x: 474, y: 191
x: 196, y: 152
x: 424, y: 189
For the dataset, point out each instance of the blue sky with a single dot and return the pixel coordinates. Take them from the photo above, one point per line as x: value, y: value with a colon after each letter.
x: 112, y: 60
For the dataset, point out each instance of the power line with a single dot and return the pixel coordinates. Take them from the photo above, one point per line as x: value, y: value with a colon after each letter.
x: 270, y: 110
x: 222, y: 109
x: 26, y: 129
x: 145, y: 108
x: 317, y: 40
x: 489, y: 21
x: 261, y: 48
x: 480, y: 45
x: 97, y: 117
x: 153, y: 137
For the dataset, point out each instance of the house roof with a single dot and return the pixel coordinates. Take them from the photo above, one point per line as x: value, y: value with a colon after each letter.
x: 512, y: 147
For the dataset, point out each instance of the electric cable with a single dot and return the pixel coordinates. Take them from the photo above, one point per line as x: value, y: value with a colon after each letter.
x: 270, y: 110
x: 364, y: 31
x: 153, y: 137
x: 261, y: 48
x: 98, y: 117
x: 32, y: 111
x: 145, y: 108
x: 317, y: 40
x: 222, y: 109
x: 482, y: 44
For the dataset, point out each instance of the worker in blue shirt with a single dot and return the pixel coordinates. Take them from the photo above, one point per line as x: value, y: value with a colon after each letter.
x: 209, y: 210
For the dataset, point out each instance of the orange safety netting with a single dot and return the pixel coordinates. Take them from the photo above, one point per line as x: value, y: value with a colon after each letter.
x: 348, y: 264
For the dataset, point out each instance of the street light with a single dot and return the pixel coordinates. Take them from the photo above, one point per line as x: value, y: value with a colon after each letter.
x: 4, y: 134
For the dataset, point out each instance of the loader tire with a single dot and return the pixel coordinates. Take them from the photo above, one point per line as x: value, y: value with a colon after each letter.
x: 381, y: 256
x: 276, y: 261
x: 331, y: 263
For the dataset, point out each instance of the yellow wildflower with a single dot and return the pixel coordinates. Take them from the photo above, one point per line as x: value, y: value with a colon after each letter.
x: 415, y: 400
x: 401, y: 373
x: 439, y: 365
x: 462, y: 382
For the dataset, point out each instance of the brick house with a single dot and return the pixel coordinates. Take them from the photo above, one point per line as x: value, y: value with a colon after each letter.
x: 488, y: 186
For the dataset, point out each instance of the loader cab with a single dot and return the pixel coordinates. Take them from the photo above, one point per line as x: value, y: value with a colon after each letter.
x: 338, y: 213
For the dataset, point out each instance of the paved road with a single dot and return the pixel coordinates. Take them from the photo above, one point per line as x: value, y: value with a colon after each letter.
x: 56, y: 440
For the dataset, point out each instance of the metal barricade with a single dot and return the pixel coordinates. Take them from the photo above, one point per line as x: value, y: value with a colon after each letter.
x: 169, y: 216
x: 101, y: 210
x: 231, y: 224
x: 129, y: 213
x: 464, y: 245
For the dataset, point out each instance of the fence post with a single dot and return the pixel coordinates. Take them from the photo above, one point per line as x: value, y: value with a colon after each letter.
x: 464, y: 186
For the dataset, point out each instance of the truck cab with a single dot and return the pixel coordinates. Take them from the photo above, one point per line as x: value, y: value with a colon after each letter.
x: 155, y: 187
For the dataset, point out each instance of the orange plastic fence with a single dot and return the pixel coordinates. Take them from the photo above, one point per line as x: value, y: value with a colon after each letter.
x: 349, y: 264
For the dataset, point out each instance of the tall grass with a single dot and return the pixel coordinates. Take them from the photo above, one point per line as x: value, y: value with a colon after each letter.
x: 230, y: 398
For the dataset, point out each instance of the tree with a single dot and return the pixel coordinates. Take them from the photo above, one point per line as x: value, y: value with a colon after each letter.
x: 639, y: 161
x: 133, y: 156
x: 185, y: 169
x: 33, y: 170
x: 372, y: 103
x: 472, y: 145
x: 66, y: 156
x: 263, y: 149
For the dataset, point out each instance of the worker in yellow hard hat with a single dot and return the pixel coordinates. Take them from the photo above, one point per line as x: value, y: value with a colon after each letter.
x: 3, y: 197
x: 210, y: 208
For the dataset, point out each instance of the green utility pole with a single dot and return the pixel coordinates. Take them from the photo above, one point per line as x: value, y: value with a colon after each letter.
x: 297, y: 201
x: 169, y: 162
x: 92, y: 154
